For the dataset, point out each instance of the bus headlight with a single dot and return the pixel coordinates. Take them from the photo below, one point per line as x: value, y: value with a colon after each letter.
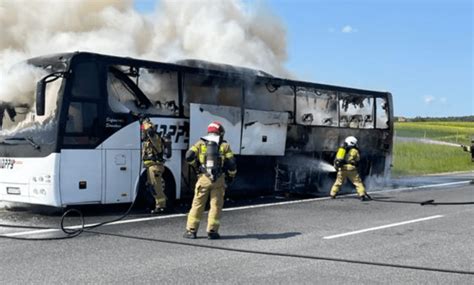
x: 41, y: 179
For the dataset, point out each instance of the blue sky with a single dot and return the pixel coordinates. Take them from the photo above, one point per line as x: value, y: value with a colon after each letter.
x: 420, y: 50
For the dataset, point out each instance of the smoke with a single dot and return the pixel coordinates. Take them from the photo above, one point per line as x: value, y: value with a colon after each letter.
x: 225, y: 31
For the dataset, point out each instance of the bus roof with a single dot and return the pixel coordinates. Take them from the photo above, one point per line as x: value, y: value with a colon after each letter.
x: 194, y: 66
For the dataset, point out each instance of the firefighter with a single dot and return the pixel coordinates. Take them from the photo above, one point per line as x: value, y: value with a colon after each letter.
x: 347, y: 159
x: 154, y: 149
x: 469, y: 148
x: 215, y: 164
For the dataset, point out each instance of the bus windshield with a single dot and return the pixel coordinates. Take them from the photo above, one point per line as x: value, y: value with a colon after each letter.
x: 19, y: 123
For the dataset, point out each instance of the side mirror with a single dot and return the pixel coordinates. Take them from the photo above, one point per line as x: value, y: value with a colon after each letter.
x: 40, y: 97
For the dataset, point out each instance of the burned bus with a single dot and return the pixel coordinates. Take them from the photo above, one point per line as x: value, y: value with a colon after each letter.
x: 78, y: 140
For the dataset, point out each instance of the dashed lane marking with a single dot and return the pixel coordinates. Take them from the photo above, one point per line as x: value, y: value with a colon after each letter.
x: 383, y: 227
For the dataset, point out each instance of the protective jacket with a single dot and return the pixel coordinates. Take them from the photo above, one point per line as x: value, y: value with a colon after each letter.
x: 197, y: 157
x: 152, y: 152
x: 351, y: 159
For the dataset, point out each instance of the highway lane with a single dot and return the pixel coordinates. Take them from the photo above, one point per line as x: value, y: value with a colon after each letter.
x: 297, y: 228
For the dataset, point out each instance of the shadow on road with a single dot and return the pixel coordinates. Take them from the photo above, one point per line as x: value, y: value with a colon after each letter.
x: 262, y: 236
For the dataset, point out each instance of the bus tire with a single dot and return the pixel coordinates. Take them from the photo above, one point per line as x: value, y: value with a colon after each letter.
x: 169, y: 186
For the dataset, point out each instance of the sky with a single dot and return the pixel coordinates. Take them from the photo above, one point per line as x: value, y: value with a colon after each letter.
x: 419, y: 50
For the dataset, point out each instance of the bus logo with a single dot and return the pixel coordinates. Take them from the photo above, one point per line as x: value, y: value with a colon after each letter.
x: 7, y: 163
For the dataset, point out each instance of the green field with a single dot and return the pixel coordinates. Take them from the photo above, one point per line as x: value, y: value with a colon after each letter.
x: 455, y: 132
x: 414, y: 158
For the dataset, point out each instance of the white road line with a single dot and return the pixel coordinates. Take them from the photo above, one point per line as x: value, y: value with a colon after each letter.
x: 241, y: 208
x: 30, y: 232
x: 383, y: 227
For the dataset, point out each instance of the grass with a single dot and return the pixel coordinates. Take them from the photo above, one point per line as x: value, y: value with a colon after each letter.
x: 454, y: 132
x: 416, y: 158
x: 413, y: 158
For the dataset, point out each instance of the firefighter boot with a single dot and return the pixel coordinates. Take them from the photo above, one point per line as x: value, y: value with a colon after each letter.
x: 365, y: 197
x: 189, y: 234
x: 213, y: 235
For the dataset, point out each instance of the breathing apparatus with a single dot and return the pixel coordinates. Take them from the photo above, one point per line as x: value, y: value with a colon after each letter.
x: 349, y: 143
x: 212, y: 163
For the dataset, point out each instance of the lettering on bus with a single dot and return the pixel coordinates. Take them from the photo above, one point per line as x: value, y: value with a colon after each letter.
x: 176, y: 131
x: 114, y: 123
x: 7, y: 163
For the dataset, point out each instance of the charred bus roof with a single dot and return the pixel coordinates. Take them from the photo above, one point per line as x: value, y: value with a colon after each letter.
x: 62, y: 61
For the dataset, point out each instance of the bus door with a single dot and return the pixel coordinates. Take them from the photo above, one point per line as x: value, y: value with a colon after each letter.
x: 81, y: 158
x: 121, y: 152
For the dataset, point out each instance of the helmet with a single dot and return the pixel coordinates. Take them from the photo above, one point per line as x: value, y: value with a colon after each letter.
x: 148, y: 127
x: 215, y: 128
x: 147, y: 124
x: 351, y: 141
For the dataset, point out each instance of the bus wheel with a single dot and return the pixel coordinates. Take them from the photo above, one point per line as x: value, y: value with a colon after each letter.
x: 169, y: 186
x: 144, y: 199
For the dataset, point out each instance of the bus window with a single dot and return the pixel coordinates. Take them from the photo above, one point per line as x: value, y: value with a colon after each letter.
x: 120, y: 98
x: 81, y: 124
x: 86, y: 80
x: 382, y: 113
x: 161, y: 88
x: 129, y: 87
x: 270, y: 97
x: 205, y: 89
x: 316, y: 107
x: 356, y: 111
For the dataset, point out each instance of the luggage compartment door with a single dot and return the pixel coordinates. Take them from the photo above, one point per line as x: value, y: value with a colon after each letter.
x: 264, y: 133
x: 230, y: 118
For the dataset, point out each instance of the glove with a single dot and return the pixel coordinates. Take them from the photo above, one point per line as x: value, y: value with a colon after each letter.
x: 201, y: 169
x: 229, y: 179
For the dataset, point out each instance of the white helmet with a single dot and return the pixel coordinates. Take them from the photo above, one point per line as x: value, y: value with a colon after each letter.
x: 351, y: 141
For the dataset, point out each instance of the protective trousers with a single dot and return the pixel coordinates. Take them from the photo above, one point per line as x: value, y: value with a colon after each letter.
x: 205, y: 188
x: 154, y: 173
x: 353, y: 176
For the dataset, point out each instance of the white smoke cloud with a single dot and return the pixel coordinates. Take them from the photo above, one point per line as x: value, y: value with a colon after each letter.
x: 220, y: 31
x: 224, y: 31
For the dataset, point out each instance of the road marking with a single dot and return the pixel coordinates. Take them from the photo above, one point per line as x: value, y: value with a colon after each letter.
x: 238, y: 208
x: 383, y: 227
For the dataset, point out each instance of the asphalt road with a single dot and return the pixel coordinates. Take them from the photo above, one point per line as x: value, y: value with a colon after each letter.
x: 314, y: 241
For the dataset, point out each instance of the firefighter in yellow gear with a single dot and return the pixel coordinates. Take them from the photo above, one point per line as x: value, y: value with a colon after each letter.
x: 347, y: 159
x: 469, y: 148
x: 154, y: 148
x: 214, y: 161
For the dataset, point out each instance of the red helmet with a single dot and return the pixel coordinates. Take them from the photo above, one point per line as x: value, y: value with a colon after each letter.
x: 215, y: 128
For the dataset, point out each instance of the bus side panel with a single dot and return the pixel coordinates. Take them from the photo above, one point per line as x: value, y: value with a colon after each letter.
x: 81, y: 176
x: 30, y: 180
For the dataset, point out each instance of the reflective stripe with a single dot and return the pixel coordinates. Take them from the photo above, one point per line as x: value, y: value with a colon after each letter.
x: 232, y: 172
x: 202, y: 154
x: 214, y: 222
x: 193, y: 220
x: 149, y: 163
